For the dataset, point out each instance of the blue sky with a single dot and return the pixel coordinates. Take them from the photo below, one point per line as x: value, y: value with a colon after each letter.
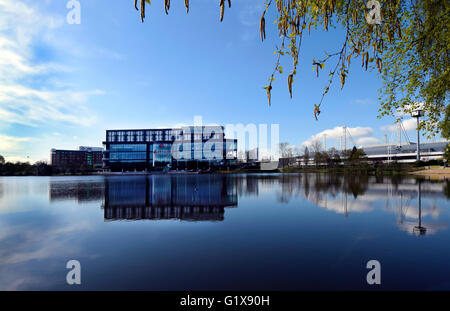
x: 62, y: 85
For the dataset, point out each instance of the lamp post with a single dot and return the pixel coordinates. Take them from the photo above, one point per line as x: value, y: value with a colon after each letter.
x: 417, y: 114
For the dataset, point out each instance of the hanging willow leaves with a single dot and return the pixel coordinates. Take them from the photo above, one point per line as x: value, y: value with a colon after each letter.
x: 409, y: 46
x: 222, y: 9
x: 342, y: 79
x: 268, y: 89
x: 262, y: 27
x: 166, y: 6
x: 290, y: 80
x: 142, y: 10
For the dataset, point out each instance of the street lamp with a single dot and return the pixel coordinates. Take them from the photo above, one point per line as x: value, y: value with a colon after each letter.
x: 417, y: 114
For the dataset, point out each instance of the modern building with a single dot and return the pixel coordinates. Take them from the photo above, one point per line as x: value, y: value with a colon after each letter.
x: 405, y: 153
x: 83, y: 158
x: 384, y: 153
x: 186, y: 147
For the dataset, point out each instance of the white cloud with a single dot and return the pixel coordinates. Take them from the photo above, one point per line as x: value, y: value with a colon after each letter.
x: 367, y: 141
x: 250, y: 14
x: 22, y: 100
x: 11, y: 143
x: 337, y: 133
x: 364, y: 101
x: 408, y: 124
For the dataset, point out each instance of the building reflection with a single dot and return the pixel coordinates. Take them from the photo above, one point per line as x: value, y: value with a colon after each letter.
x: 419, y: 229
x: 410, y: 199
x: 183, y: 197
x: 416, y: 205
x: 82, y: 191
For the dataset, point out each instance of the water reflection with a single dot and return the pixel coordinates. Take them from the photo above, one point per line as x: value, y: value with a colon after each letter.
x: 360, y: 194
x: 192, y: 198
x: 187, y: 197
x: 291, y: 231
x: 83, y: 191
x: 205, y: 197
x: 346, y: 194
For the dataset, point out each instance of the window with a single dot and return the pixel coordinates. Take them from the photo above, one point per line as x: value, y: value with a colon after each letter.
x: 130, y: 136
x: 149, y: 136
x: 120, y: 137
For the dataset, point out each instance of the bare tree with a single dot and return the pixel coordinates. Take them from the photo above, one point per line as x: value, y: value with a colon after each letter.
x: 316, y: 145
x: 306, y: 155
x: 285, y: 150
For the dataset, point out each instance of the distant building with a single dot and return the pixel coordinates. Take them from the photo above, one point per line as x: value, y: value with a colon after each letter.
x: 83, y: 158
x: 186, y: 147
x: 405, y: 152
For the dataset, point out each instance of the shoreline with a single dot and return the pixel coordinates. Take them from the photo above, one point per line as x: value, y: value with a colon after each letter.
x: 433, y: 173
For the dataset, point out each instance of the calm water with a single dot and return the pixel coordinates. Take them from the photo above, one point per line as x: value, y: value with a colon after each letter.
x: 194, y: 232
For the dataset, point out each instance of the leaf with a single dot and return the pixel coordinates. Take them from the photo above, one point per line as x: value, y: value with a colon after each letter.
x: 222, y: 9
x: 342, y: 79
x: 269, y: 88
x: 262, y: 27
x: 166, y: 6
x: 142, y: 10
x: 290, y: 80
x: 316, y: 111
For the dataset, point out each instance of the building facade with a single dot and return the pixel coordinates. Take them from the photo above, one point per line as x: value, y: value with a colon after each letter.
x: 406, y: 153
x: 186, y: 147
x: 84, y: 158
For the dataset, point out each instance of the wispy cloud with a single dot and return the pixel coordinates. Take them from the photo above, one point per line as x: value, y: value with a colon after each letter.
x: 23, y: 98
x: 250, y: 14
x: 11, y: 143
x: 338, y: 132
x: 364, y: 101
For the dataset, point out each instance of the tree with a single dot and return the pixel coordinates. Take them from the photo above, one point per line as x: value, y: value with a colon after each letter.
x: 284, y: 150
x: 316, y: 145
x: 2, y: 159
x: 357, y: 156
x: 445, y: 124
x: 333, y: 156
x: 447, y: 154
x: 407, y: 41
x: 306, y: 156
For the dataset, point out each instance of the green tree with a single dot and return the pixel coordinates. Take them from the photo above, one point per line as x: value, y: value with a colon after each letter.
x: 447, y: 154
x: 2, y: 159
x: 408, y: 45
x: 445, y: 124
x: 356, y: 156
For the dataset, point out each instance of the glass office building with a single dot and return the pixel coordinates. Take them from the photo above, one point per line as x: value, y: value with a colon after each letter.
x: 187, y: 147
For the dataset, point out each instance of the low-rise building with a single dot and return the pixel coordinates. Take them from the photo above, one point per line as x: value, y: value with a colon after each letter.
x: 83, y: 158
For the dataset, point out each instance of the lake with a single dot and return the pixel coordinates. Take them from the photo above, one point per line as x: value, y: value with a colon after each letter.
x: 224, y: 232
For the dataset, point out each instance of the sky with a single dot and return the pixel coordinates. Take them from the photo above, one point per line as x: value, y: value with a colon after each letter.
x: 62, y: 85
